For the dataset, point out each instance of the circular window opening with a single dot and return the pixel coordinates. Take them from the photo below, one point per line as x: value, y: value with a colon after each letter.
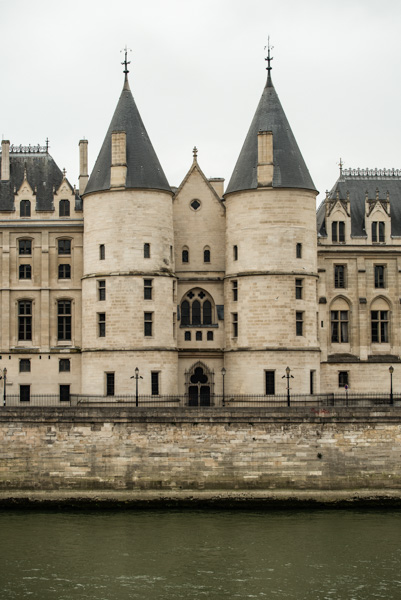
x: 195, y: 204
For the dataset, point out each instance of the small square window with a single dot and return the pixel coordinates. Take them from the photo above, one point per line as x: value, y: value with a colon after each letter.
x: 25, y: 272
x: 210, y: 336
x: 64, y: 246
x: 64, y: 365
x: 187, y: 336
x: 25, y: 365
x: 198, y: 336
x: 25, y: 247
x: 343, y: 378
x: 64, y: 271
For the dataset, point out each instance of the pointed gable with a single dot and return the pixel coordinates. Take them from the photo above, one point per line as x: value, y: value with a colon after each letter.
x: 143, y: 167
x: 290, y: 169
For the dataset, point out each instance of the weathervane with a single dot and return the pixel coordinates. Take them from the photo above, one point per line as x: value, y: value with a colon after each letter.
x: 126, y: 62
x: 268, y: 58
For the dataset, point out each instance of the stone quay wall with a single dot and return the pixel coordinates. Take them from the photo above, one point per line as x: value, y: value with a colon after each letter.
x: 252, y: 451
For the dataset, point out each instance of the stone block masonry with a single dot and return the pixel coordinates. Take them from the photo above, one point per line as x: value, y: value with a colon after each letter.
x: 241, y: 453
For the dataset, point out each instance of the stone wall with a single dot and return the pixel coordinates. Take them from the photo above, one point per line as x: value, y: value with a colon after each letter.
x: 165, y: 450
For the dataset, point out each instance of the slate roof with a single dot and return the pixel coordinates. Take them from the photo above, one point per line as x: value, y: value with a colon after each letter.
x: 143, y: 167
x: 357, y: 186
x: 42, y: 174
x: 290, y: 169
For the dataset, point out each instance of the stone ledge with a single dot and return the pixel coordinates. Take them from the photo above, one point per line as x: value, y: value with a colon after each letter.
x: 220, y: 499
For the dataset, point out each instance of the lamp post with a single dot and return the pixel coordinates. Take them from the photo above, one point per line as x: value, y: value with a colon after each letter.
x: 223, y: 373
x: 136, y: 377
x: 391, y: 369
x: 4, y: 376
x: 288, y: 376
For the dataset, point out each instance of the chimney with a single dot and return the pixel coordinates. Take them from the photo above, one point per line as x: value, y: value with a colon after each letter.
x: 265, y: 159
x: 5, y: 160
x: 83, y: 165
x: 217, y: 184
x: 118, y: 172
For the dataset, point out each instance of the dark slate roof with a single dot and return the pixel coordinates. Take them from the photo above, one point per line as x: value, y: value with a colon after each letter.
x: 290, y: 169
x: 42, y: 173
x: 357, y: 185
x: 143, y: 167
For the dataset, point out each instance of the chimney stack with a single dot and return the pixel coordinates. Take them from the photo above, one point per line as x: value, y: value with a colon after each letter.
x: 265, y: 159
x: 5, y: 160
x: 83, y: 165
x: 118, y: 172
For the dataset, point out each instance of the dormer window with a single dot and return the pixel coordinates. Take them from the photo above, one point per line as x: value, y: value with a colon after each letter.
x: 338, y: 231
x: 64, y: 208
x: 378, y: 232
x: 25, y: 208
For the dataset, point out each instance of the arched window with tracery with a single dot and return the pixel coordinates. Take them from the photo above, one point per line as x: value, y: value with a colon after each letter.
x: 197, y: 309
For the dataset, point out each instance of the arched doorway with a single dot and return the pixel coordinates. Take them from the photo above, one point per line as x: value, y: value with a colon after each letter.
x: 199, y: 385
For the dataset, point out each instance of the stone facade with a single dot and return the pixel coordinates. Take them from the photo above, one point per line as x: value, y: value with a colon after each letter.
x: 184, y: 282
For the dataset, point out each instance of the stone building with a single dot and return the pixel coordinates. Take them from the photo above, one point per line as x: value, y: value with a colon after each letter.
x: 195, y: 287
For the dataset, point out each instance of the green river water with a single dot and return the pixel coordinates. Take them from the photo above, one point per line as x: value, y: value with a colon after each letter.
x: 172, y: 555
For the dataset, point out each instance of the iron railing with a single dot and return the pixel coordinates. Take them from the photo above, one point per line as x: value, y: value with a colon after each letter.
x: 340, y: 400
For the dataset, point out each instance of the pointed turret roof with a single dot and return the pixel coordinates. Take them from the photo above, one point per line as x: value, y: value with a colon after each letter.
x: 290, y: 169
x: 143, y: 166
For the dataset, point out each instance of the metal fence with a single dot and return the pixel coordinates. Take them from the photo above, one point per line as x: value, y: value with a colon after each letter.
x: 228, y: 401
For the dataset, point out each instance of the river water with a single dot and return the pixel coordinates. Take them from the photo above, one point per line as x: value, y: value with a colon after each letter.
x: 172, y: 555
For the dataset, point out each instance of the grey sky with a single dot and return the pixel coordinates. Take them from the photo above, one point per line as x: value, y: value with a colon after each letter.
x: 197, y: 72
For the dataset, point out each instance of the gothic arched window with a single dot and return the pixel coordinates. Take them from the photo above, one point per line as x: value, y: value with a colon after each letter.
x: 207, y: 312
x: 197, y: 309
x: 185, y: 255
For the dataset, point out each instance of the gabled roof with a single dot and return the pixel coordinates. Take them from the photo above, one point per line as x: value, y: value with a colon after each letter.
x: 290, y: 169
x: 355, y: 183
x: 143, y: 167
x: 195, y: 167
x: 43, y: 175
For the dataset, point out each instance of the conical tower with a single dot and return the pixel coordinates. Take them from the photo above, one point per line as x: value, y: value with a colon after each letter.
x: 128, y: 286
x: 271, y: 265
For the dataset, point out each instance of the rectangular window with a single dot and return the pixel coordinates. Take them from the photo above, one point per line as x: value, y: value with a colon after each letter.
x: 298, y: 289
x: 102, y: 252
x: 382, y: 237
x: 339, y: 326
x: 64, y: 246
x: 338, y: 231
x: 210, y: 336
x: 270, y: 383
x: 374, y: 231
x: 298, y: 251
x: 299, y: 318
x: 64, y: 320
x: 101, y: 320
x: 24, y: 393
x: 148, y: 324
x: 110, y: 384
x: 101, y: 289
x: 25, y: 320
x: 64, y: 365
x: 25, y: 246
x: 379, y: 326
x: 342, y: 378
x: 64, y: 393
x: 312, y: 382
x: 25, y: 208
x: 25, y: 365
x: 339, y: 276
x: 146, y: 250
x: 64, y: 271
x: 235, y: 252
x: 380, y: 271
x: 155, y: 382
x: 198, y: 336
x: 25, y: 272
x: 235, y: 290
x: 147, y: 289
x: 64, y: 208
x: 235, y: 324
x: 187, y: 336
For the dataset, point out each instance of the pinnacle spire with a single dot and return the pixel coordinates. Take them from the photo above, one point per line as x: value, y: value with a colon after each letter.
x: 126, y: 63
x: 269, y: 59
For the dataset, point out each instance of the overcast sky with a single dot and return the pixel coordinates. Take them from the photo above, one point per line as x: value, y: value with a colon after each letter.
x: 197, y: 73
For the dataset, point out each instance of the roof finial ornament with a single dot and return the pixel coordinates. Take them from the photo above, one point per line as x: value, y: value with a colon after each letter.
x: 195, y: 153
x: 64, y: 173
x: 125, y: 61
x: 341, y: 164
x: 47, y: 145
x: 268, y: 58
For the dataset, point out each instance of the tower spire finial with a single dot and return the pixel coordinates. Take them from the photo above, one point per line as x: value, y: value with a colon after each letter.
x: 125, y: 61
x: 268, y: 57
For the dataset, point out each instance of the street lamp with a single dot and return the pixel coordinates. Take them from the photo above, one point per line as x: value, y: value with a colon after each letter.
x: 391, y: 369
x: 136, y: 377
x: 4, y: 376
x: 288, y: 376
x: 223, y: 373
